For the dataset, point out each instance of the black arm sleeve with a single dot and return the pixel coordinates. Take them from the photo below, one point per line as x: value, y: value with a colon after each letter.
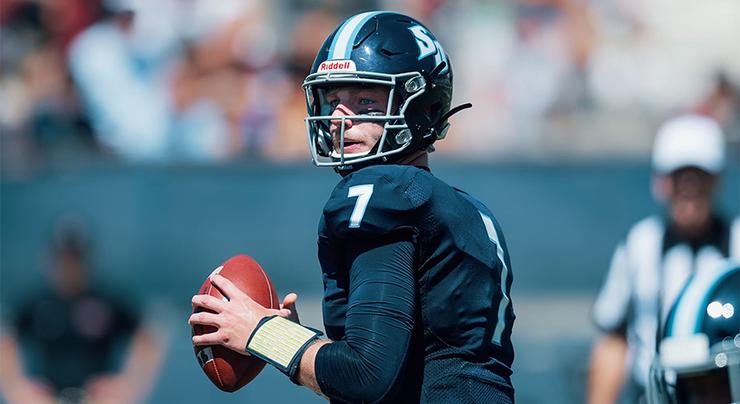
x: 365, y: 365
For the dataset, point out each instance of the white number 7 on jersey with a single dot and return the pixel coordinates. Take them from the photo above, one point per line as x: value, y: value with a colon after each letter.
x: 363, y: 193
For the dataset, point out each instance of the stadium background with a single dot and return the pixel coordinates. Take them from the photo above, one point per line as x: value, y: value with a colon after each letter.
x: 191, y: 148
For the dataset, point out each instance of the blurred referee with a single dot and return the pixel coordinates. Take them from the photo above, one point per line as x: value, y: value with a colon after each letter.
x: 657, y: 257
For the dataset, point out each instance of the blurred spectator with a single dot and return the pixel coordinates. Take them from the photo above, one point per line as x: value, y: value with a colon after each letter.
x: 56, y: 121
x: 554, y: 40
x: 228, y: 87
x: 518, y: 62
x: 659, y: 255
x: 41, y: 120
x: 723, y: 104
x: 208, y: 98
x: 64, y: 342
x: 204, y: 81
x: 119, y: 65
x: 201, y: 90
x: 658, y: 57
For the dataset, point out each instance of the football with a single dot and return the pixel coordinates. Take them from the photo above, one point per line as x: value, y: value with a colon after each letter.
x: 227, y: 369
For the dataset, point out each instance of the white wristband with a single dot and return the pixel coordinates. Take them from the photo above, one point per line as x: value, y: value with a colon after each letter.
x: 280, y: 342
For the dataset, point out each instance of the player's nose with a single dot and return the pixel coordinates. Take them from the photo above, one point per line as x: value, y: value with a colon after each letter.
x: 340, y: 112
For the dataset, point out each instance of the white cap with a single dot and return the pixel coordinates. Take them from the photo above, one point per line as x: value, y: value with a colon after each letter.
x: 689, y: 141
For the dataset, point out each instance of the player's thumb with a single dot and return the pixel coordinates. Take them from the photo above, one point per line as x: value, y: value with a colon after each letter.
x: 289, y: 303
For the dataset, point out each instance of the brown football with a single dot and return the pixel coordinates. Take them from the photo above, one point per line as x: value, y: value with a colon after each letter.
x: 227, y: 369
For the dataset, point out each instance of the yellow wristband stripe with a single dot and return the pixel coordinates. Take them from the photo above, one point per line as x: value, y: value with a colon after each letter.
x: 279, y: 340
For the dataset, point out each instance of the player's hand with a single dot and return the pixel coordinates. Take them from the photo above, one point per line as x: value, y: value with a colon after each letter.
x: 29, y: 391
x: 289, y: 305
x: 104, y: 389
x: 234, y: 319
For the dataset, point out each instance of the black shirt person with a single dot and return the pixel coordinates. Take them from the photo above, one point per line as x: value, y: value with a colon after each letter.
x: 72, y: 341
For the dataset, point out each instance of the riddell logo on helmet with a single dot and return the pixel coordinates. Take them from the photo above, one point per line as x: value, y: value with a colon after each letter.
x: 337, y: 65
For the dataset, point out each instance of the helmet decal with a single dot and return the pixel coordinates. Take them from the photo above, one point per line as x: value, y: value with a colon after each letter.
x: 337, y: 65
x: 428, y: 46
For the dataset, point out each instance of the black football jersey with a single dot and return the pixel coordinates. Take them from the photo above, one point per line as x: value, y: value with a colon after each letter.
x: 463, y: 271
x: 71, y: 339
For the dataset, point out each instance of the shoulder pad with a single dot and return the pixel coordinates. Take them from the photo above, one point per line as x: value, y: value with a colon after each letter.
x: 377, y: 200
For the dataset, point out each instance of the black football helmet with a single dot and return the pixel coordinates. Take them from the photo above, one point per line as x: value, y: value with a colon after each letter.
x: 699, y: 355
x: 381, y: 49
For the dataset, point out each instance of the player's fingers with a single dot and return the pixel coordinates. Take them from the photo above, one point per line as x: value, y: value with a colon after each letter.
x: 289, y: 301
x: 204, y: 318
x: 288, y: 308
x: 208, y: 302
x: 213, y: 338
x: 226, y: 287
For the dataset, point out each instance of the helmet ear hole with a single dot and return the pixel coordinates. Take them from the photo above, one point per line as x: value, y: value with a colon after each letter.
x: 435, y: 111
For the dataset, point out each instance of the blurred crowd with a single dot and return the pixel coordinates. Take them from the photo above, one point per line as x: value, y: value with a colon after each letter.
x: 197, y: 81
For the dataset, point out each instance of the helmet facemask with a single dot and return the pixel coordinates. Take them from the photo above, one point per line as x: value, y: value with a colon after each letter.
x: 396, y: 136
x: 698, y: 357
x: 714, y: 379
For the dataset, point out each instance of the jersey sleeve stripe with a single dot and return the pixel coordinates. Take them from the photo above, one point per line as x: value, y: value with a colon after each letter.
x: 504, y: 303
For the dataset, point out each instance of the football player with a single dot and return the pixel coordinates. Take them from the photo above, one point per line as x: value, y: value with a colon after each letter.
x: 417, y: 275
x: 698, y: 360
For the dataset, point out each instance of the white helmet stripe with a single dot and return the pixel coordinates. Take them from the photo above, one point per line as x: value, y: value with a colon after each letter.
x: 689, y: 313
x: 341, y: 46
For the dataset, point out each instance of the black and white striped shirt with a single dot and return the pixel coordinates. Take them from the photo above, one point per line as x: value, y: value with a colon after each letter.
x: 648, y: 270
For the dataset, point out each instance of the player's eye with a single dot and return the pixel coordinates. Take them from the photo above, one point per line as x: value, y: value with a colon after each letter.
x: 368, y: 106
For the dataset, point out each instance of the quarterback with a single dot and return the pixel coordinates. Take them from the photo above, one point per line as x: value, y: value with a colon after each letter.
x: 417, y: 275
